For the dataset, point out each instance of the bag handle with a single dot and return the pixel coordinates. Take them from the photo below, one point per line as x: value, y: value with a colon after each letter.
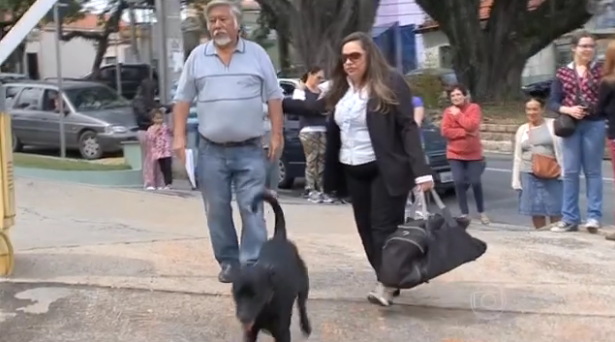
x: 446, y: 213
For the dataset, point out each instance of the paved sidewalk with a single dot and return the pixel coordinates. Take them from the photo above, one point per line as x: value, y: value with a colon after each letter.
x: 123, y: 265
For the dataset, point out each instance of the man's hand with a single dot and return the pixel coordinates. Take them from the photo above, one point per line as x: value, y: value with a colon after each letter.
x: 179, y: 147
x: 275, y: 146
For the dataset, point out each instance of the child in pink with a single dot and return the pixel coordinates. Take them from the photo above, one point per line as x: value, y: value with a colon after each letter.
x: 159, y: 141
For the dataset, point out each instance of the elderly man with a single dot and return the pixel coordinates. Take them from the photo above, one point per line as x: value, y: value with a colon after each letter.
x: 231, y: 79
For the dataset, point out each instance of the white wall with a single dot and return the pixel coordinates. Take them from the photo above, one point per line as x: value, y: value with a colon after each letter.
x: 77, y: 55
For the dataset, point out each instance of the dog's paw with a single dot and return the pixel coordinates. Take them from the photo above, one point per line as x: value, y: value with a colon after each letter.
x: 306, y: 327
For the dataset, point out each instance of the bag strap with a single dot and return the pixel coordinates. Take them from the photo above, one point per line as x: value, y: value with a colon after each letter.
x: 444, y: 211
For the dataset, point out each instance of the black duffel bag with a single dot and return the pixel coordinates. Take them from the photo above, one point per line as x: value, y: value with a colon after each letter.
x: 421, y: 250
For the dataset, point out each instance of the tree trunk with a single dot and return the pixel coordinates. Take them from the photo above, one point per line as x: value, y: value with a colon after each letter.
x: 489, y: 54
x: 133, y: 34
x: 112, y: 25
x: 316, y: 28
x: 284, y: 53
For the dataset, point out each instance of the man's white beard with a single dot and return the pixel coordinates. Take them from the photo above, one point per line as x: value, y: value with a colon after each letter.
x: 222, y: 40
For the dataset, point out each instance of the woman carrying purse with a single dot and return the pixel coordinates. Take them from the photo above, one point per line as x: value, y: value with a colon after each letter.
x: 536, y: 167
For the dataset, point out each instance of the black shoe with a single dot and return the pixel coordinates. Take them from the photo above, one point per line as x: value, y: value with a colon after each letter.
x: 562, y: 226
x: 306, y: 193
x: 226, y: 274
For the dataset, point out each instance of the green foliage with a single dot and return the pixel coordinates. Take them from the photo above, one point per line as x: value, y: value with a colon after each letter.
x: 428, y: 87
x: 261, y: 34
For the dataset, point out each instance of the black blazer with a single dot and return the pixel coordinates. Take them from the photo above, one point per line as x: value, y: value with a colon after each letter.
x: 395, y: 139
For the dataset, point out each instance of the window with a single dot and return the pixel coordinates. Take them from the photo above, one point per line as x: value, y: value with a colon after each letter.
x: 287, y: 88
x: 108, y: 74
x: 131, y: 74
x: 11, y: 93
x: 30, y: 98
x: 446, y: 56
x: 93, y: 98
x: 110, y: 60
x: 563, y: 55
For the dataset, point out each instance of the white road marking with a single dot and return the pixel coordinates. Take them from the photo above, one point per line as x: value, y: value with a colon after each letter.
x: 608, y: 179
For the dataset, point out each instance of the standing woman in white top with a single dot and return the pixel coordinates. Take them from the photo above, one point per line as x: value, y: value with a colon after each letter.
x: 373, y: 148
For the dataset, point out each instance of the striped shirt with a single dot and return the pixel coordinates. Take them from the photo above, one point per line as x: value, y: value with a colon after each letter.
x: 229, y: 98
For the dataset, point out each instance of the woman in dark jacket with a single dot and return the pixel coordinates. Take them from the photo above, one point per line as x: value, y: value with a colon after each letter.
x: 373, y: 150
x: 142, y: 106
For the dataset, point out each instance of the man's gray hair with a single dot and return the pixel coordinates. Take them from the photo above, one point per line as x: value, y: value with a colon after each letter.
x: 232, y: 5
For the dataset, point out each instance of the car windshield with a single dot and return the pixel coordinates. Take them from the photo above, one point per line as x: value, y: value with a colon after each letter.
x: 450, y: 78
x: 89, y: 99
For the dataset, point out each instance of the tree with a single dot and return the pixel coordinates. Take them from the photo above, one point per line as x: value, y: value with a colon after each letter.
x: 101, y: 39
x: 489, y: 54
x: 316, y: 28
x: 12, y: 10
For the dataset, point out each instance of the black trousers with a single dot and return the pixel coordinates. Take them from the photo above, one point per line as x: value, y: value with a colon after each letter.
x: 376, y: 213
x: 166, y: 168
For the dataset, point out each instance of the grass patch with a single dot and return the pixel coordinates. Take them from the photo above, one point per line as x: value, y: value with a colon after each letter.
x: 52, y: 163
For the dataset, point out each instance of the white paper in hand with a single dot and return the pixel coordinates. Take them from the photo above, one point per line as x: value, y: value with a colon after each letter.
x: 190, y: 167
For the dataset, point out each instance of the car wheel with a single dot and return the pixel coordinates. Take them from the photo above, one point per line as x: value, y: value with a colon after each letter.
x: 89, y: 147
x: 286, y: 181
x: 16, y: 144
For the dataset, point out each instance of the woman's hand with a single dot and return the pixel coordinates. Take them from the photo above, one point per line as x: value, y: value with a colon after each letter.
x: 454, y: 110
x: 576, y: 112
x: 425, y: 186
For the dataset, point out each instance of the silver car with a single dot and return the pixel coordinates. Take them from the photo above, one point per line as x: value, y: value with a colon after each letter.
x: 96, y: 119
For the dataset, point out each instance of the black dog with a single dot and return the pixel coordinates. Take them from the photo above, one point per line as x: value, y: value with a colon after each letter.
x: 265, y: 292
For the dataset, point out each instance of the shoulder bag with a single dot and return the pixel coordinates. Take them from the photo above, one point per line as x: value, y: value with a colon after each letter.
x: 565, y: 125
x: 544, y: 166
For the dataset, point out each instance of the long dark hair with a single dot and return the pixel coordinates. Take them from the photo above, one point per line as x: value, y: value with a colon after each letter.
x: 311, y: 71
x: 377, y: 75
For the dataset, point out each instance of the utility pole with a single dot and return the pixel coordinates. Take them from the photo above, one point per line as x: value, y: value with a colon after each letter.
x: 62, y: 112
x: 170, y: 47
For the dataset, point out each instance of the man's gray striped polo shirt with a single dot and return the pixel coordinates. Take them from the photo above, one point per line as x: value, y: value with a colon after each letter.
x: 229, y: 98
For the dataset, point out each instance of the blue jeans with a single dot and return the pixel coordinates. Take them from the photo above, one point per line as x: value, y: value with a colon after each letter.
x: 244, y: 167
x: 583, y: 150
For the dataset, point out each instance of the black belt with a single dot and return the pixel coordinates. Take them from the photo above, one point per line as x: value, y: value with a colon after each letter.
x: 251, y: 141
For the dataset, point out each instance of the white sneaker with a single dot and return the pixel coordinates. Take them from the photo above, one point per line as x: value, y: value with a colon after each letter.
x: 381, y: 295
x: 326, y: 199
x: 592, y: 226
x: 315, y: 197
x: 150, y: 188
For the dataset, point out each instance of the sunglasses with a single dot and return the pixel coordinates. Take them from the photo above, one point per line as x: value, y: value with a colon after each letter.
x: 352, y: 57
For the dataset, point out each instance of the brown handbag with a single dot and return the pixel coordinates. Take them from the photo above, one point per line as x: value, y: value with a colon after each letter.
x: 544, y: 166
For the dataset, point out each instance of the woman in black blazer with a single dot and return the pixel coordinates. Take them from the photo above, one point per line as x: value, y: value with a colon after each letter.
x: 374, y: 151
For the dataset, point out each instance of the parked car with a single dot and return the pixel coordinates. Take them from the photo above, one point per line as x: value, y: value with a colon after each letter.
x: 292, y: 162
x: 6, y: 77
x: 540, y: 89
x: 447, y: 76
x: 97, y: 120
x: 131, y: 76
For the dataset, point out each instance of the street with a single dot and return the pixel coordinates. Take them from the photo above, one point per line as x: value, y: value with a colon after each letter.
x: 500, y: 199
x: 111, y: 265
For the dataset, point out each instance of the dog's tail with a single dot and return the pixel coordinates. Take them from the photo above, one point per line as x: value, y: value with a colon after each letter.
x: 280, y: 221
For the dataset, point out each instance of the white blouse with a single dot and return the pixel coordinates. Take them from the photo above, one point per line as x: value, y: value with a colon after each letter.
x: 350, y: 116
